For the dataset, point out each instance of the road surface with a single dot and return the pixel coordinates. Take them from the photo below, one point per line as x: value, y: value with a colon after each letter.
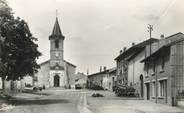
x: 80, y: 101
x: 58, y: 101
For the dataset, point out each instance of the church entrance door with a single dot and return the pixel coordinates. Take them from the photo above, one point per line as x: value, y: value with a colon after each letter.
x: 56, y: 80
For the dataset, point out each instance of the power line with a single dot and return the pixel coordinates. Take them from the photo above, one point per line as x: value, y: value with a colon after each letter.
x: 164, y: 12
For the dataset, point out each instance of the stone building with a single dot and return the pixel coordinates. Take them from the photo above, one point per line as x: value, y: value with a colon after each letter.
x: 112, y: 78
x: 56, y: 72
x: 80, y: 80
x: 129, y: 69
x: 164, y: 70
x: 105, y: 79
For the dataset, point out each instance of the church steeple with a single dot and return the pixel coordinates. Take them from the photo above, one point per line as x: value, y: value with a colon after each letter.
x: 56, y: 48
x: 56, y: 32
x: 56, y: 29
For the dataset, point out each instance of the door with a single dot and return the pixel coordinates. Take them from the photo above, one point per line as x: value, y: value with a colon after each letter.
x: 148, y: 91
x: 56, y: 81
x: 141, y: 85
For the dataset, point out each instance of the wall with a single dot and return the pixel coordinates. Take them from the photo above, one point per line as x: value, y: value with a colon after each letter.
x: 13, y: 87
x: 28, y: 80
x: 135, y: 70
x: 43, y: 75
x: 122, y: 71
x: 105, y: 81
x: 97, y: 79
x: 177, y: 73
x: 160, y: 74
x: 70, y: 70
x: 81, y: 79
x: 112, y: 82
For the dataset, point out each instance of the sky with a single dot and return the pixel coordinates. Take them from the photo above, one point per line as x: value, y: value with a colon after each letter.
x: 96, y: 30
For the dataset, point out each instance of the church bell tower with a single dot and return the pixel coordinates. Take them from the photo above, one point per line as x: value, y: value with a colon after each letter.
x: 56, y: 56
x: 56, y: 47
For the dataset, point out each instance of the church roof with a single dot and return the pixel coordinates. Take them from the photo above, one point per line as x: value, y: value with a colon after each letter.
x: 43, y: 63
x: 56, y: 30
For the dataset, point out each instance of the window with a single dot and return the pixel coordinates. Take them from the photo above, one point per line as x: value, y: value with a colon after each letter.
x: 162, y: 88
x: 56, y: 43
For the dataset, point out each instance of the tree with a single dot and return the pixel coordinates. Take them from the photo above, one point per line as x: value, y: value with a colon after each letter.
x: 19, y: 50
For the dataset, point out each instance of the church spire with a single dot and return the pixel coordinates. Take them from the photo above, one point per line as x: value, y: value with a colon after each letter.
x: 56, y: 29
x: 56, y: 32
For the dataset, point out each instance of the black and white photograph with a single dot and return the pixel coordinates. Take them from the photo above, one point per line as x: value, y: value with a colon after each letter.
x: 91, y: 56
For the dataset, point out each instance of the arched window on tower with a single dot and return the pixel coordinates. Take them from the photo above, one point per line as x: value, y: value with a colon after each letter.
x: 56, y: 43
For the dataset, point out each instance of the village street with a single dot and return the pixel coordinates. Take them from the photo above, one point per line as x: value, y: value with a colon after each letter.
x: 80, y: 101
x: 57, y: 101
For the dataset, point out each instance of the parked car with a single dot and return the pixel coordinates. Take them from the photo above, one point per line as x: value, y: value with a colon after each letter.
x: 78, y: 86
x: 36, y: 88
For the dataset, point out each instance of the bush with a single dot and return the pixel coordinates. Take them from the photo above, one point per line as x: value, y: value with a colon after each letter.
x: 127, y: 91
x: 97, y: 87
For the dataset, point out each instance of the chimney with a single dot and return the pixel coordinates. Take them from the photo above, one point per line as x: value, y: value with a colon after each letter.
x: 133, y: 44
x: 162, y: 36
x: 100, y: 68
x: 120, y: 51
x: 104, y: 68
x: 124, y: 49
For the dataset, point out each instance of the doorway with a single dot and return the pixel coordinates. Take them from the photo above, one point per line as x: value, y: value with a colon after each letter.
x: 56, y: 81
x: 147, y: 91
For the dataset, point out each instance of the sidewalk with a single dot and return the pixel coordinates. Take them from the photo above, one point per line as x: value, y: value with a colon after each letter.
x: 109, y: 104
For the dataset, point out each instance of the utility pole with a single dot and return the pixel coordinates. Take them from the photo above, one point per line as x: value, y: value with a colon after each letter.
x: 150, y: 29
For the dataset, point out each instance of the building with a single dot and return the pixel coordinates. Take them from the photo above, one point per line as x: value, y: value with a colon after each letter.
x: 105, y: 79
x: 80, y: 80
x: 129, y: 69
x: 112, y: 78
x: 164, y: 70
x: 56, y: 72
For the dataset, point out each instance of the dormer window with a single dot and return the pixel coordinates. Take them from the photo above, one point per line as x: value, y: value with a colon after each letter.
x: 56, y: 43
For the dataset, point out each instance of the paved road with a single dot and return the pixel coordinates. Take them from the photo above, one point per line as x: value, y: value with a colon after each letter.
x: 58, y: 101
x: 72, y: 101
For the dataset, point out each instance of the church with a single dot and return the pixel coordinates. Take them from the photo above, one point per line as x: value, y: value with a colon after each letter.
x: 56, y: 72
